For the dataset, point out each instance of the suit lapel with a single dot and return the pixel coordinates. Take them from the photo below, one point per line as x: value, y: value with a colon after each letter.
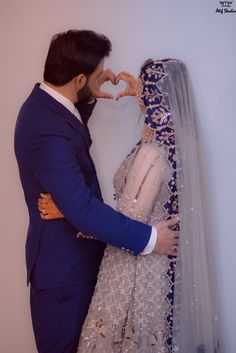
x: 77, y: 125
x: 57, y: 107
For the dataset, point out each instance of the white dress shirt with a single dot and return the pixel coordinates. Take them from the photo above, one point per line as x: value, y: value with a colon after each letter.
x: 61, y: 99
x: 71, y: 107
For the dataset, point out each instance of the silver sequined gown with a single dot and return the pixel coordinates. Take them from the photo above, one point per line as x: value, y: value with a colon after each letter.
x: 130, y: 306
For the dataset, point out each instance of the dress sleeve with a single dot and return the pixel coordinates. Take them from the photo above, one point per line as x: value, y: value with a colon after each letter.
x: 143, y: 180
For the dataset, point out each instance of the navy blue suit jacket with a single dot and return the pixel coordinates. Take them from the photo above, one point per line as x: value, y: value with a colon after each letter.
x: 52, y: 150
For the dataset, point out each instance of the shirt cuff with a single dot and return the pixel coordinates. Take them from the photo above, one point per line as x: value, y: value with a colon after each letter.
x: 151, y: 243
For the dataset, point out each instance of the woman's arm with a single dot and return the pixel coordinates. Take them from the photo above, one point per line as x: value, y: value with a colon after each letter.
x: 143, y: 182
x: 134, y: 89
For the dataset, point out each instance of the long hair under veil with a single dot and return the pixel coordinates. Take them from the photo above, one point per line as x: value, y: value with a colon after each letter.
x: 195, y: 305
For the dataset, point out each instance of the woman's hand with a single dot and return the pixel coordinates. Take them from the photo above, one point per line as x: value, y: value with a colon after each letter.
x: 148, y: 134
x: 47, y: 208
x: 131, y: 81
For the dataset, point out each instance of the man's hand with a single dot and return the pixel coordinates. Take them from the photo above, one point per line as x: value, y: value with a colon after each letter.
x: 105, y: 76
x: 109, y: 75
x: 167, y: 239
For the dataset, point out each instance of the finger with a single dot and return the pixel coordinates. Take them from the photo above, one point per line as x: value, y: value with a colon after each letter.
x: 174, y: 234
x: 40, y: 208
x: 121, y: 94
x: 124, y: 76
x: 42, y: 201
x: 43, y: 204
x: 174, y: 242
x: 104, y: 95
x: 51, y: 216
x: 108, y: 75
x: 172, y: 221
x: 43, y: 210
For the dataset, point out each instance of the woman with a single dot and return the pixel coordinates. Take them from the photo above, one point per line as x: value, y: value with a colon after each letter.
x: 133, y: 308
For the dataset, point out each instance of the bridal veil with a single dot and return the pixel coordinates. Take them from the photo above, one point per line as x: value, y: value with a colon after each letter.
x: 167, y: 88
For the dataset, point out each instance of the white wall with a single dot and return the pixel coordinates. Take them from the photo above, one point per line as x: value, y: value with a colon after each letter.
x: 190, y: 30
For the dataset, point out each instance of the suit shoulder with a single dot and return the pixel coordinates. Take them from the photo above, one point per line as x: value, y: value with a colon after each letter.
x: 36, y: 116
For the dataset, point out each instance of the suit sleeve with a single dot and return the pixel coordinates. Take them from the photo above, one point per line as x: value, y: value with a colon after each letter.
x: 53, y: 161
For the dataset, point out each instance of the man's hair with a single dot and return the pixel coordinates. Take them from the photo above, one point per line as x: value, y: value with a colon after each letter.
x: 72, y: 53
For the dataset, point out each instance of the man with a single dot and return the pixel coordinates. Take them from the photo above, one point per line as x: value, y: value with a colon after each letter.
x: 52, y: 148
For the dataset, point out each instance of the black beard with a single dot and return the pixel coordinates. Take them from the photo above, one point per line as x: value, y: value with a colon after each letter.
x: 84, y: 95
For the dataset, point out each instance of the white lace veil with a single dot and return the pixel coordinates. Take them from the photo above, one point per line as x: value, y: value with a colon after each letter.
x: 195, y: 300
x: 195, y: 315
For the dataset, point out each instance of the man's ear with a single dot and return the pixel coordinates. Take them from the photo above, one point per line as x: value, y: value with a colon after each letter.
x: 80, y: 81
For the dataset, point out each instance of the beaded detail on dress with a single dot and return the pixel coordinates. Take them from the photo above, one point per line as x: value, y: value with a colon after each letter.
x: 130, y: 305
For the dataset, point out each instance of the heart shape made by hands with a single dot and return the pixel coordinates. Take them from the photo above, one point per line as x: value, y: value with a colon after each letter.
x: 124, y: 84
x: 113, y: 88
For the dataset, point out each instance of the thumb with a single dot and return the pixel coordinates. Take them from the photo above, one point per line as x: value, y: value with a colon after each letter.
x: 121, y: 94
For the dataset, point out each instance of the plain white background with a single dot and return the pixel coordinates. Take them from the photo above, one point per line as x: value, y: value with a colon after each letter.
x: 189, y: 30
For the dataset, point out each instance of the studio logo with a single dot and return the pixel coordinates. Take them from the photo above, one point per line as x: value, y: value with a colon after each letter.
x: 225, y: 7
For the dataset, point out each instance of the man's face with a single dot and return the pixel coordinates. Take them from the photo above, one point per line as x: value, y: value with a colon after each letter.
x: 92, y: 85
